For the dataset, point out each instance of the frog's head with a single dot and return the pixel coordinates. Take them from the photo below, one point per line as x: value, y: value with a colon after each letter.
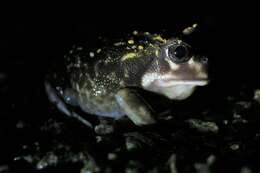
x: 175, y: 71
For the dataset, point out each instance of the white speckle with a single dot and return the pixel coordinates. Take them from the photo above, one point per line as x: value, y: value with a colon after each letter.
x: 91, y: 54
x: 77, y: 87
x: 191, y: 61
x: 179, y: 41
x: 172, y: 65
x: 149, y: 78
x: 198, y: 67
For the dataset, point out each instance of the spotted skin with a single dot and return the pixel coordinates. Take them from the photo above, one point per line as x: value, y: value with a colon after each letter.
x: 100, y: 81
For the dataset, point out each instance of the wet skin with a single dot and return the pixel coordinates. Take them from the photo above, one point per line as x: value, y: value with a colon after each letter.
x: 103, y: 81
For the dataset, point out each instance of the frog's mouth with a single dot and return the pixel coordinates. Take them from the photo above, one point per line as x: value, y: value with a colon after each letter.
x: 173, y: 82
x: 176, y: 89
x: 155, y: 82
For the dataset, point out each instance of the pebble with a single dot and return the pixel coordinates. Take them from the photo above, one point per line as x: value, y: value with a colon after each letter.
x: 203, y: 126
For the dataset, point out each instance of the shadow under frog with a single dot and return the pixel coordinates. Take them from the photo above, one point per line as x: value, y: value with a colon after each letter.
x: 103, y: 82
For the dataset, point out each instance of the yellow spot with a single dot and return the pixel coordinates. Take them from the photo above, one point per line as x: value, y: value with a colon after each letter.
x: 195, y: 25
x: 191, y: 29
x: 159, y: 38
x: 157, y: 53
x: 151, y: 45
x: 179, y: 41
x: 140, y: 47
x: 129, y: 56
x: 131, y: 42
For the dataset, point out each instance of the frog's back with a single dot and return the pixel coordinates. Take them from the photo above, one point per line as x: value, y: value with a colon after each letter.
x: 95, y: 75
x: 94, y: 78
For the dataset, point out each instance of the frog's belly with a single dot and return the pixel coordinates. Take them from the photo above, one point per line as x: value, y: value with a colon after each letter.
x: 105, y: 106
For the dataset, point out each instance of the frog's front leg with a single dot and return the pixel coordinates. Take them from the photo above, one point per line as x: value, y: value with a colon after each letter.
x: 135, y: 107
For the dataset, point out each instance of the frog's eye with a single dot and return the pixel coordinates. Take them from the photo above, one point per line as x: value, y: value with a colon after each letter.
x: 179, y: 53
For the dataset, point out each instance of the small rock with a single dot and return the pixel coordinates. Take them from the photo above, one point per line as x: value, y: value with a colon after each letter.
x: 257, y: 95
x: 27, y: 158
x: 112, y: 156
x: 49, y: 160
x: 203, y: 126
x: 243, y: 105
x: 225, y: 122
x: 98, y: 139
x: 52, y: 126
x: 20, y: 124
x: 238, y: 119
x: 104, y: 129
x: 202, y: 168
x: 234, y: 146
x: 91, y: 54
x: 236, y: 116
x: 245, y: 169
x: 136, y: 141
x: 172, y: 163
x: 131, y: 170
x: 155, y: 170
x: 211, y: 159
x: 132, y: 144
x: 4, y: 168
x: 90, y: 167
x: 133, y: 167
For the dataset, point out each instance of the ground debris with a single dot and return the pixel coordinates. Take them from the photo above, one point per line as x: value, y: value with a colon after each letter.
x: 203, y: 126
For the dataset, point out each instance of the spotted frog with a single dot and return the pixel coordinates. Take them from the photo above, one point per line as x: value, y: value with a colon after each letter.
x: 104, y: 81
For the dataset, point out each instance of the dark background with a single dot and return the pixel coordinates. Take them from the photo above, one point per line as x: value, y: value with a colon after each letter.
x: 26, y: 49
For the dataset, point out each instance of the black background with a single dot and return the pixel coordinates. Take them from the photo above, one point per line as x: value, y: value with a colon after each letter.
x: 26, y: 49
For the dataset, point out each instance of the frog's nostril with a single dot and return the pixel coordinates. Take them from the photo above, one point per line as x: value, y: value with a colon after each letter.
x: 204, y: 60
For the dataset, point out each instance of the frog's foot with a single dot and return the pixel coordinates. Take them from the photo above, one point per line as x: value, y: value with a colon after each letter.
x: 58, y: 100
x: 135, y: 107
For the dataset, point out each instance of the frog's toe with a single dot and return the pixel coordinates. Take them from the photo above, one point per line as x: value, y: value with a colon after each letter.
x: 141, y: 119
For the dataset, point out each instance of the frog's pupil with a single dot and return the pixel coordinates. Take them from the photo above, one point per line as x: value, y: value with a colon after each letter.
x: 180, y: 52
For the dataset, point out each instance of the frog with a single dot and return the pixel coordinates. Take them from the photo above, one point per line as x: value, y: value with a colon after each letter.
x: 104, y: 81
